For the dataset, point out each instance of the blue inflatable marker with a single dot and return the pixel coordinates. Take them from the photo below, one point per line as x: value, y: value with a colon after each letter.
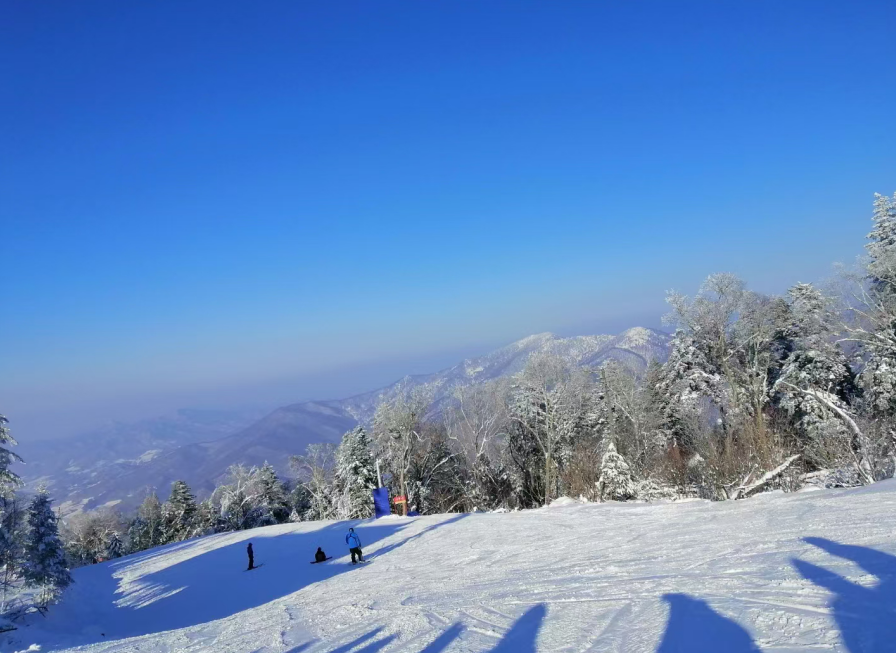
x: 381, y: 506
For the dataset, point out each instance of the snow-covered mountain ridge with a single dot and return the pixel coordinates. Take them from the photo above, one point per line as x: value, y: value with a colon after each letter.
x: 82, y: 473
x: 778, y: 572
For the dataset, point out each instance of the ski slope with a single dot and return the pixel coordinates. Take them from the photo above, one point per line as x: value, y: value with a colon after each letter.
x: 807, y: 571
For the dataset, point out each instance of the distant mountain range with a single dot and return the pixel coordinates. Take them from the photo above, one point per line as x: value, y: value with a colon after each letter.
x: 120, y: 464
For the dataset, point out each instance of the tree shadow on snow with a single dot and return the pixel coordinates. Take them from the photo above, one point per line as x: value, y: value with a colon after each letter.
x: 866, y: 616
x: 694, y: 627
x: 441, y: 642
x: 428, y: 529
x: 215, y: 584
x: 370, y: 648
x: 522, y: 636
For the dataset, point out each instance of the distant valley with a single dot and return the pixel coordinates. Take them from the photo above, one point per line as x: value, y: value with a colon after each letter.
x: 118, y: 465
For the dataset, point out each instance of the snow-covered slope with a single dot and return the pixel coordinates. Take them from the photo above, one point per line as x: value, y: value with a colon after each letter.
x: 798, y: 572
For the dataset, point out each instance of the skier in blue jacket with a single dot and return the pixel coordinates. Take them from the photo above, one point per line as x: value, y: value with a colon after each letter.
x: 354, y: 545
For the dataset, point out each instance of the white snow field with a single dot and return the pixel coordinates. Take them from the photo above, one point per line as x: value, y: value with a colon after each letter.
x: 812, y: 571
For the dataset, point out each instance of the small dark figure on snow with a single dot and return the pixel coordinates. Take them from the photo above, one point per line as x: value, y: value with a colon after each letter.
x: 354, y: 545
x: 251, y: 556
x: 320, y: 556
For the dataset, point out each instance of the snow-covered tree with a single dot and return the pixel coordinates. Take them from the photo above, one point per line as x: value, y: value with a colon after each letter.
x: 815, y: 384
x: 615, y: 482
x: 12, y: 539
x: 397, y: 425
x: 870, y: 327
x: 44, y: 564
x: 685, y: 380
x: 208, y: 518
x: 242, y: 503
x: 300, y: 501
x: 87, y: 536
x: 437, y: 478
x: 477, y: 419
x: 115, y: 548
x: 550, y: 406
x: 273, y: 493
x: 148, y: 528
x: 355, y: 476
x: 8, y: 479
x: 179, y: 513
x: 11, y: 518
x: 875, y: 328
x: 882, y: 247
x: 315, y: 470
x: 626, y: 413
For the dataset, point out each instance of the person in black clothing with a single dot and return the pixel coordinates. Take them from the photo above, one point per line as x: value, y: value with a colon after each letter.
x: 320, y: 556
x: 251, y: 556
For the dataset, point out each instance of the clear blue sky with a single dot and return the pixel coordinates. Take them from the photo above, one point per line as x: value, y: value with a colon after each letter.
x: 201, y: 196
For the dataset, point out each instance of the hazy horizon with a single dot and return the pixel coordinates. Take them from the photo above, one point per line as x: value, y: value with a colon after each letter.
x: 215, y: 206
x: 267, y: 395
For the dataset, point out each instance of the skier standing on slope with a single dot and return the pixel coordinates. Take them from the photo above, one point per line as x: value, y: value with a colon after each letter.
x: 251, y: 556
x: 354, y: 545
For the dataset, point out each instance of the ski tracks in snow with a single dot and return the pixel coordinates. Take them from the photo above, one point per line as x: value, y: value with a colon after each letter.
x: 581, y: 578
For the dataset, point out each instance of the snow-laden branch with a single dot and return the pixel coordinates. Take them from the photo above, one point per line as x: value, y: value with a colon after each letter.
x: 744, y: 492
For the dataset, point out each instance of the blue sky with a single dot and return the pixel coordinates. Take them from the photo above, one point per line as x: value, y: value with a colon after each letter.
x: 218, y: 201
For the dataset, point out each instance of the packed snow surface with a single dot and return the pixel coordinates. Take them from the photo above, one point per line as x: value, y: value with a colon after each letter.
x: 779, y: 572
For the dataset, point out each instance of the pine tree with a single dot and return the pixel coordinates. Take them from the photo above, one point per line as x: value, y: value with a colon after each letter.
x: 44, y: 565
x: 208, y: 518
x: 878, y: 378
x: 355, y: 476
x: 115, y: 548
x: 273, y: 494
x: 615, y: 481
x: 148, y: 528
x: 300, y: 499
x: 685, y: 378
x: 8, y: 480
x: 815, y: 375
x: 10, y: 515
x: 882, y: 247
x: 179, y: 513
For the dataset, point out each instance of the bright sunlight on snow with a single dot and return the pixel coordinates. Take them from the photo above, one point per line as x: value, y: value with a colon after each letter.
x: 779, y: 572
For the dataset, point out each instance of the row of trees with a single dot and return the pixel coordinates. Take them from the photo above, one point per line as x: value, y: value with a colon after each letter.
x: 757, y: 392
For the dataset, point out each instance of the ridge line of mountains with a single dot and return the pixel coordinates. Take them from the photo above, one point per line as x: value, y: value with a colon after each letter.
x: 119, y: 464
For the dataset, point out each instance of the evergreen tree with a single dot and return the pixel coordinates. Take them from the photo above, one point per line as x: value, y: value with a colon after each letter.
x: 115, y: 548
x: 815, y: 376
x: 615, y: 481
x: 273, y: 494
x: 11, y: 521
x: 208, y: 518
x: 8, y: 480
x: 355, y: 476
x: 179, y: 513
x: 148, y: 528
x: 44, y: 564
x: 300, y: 500
x: 882, y: 247
x: 684, y: 380
x: 878, y: 336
